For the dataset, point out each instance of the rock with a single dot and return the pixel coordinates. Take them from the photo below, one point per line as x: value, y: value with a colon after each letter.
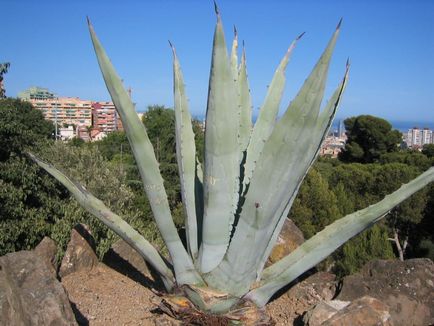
x: 80, y: 252
x: 405, y: 287
x: 47, y: 250
x: 289, y: 238
x: 317, y: 287
x: 121, y: 250
x: 303, y: 295
x: 164, y: 320
x: 323, y: 311
x: 30, y: 294
x: 365, y: 311
x: 127, y: 261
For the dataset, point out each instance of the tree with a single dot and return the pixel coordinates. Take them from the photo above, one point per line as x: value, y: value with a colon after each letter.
x: 359, y: 185
x: 104, y: 179
x: 30, y: 203
x: 21, y: 127
x: 4, y: 67
x: 404, y: 218
x: 315, y: 206
x: 369, y: 245
x: 428, y: 150
x: 352, y: 184
x: 368, y: 138
x: 29, y: 200
x: 416, y: 159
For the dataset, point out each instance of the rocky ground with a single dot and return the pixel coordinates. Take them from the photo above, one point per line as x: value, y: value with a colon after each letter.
x: 121, y: 291
x: 124, y: 292
x: 105, y: 297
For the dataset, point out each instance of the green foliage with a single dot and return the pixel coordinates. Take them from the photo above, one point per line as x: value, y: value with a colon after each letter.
x: 4, y: 67
x: 21, y: 127
x: 104, y: 179
x: 423, y: 233
x: 316, y: 206
x: 30, y: 203
x: 428, y: 150
x: 354, y: 182
x: 160, y: 126
x: 112, y: 145
x: 370, y: 244
x: 355, y: 186
x: 199, y: 139
x: 76, y: 142
x: 419, y: 160
x: 29, y: 200
x: 368, y: 138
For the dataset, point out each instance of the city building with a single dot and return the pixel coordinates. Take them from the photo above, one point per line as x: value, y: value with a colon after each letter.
x: 416, y: 137
x: 105, y: 117
x: 83, y: 133
x: 333, y: 145
x: 426, y: 136
x: 65, y: 111
x: 66, y: 133
x: 36, y: 93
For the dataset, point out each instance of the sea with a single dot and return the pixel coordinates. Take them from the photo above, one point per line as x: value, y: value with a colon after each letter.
x: 402, y: 126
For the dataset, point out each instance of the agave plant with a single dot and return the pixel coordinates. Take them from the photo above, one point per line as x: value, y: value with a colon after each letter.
x: 237, y: 200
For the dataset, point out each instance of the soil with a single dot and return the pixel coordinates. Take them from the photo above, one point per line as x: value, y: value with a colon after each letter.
x: 105, y: 297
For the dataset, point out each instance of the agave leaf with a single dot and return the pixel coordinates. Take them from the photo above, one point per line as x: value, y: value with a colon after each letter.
x: 234, y: 56
x: 245, y: 106
x: 286, y: 156
x: 221, y: 173
x: 148, y: 167
x: 96, y: 207
x: 186, y: 156
x: 324, y: 122
x: 267, y: 116
x: 328, y: 240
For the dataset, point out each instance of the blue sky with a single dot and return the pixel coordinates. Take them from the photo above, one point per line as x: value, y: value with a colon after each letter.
x: 390, y: 44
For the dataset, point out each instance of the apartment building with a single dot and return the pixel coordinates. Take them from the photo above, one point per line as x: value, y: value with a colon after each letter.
x: 427, y: 136
x: 90, y: 120
x: 416, y: 137
x: 105, y: 117
x: 36, y: 93
x: 65, y: 111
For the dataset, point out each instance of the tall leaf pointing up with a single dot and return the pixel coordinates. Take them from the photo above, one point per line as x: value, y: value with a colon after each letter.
x: 186, y: 156
x: 221, y: 156
x: 148, y: 167
x: 285, y: 158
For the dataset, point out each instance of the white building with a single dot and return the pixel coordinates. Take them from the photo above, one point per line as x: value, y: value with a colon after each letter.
x: 67, y: 133
x: 416, y: 137
x: 426, y: 136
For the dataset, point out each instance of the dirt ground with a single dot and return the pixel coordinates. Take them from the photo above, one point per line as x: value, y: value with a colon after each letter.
x: 105, y: 297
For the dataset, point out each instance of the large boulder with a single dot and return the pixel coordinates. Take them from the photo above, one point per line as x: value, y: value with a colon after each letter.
x: 406, y: 287
x: 47, y: 250
x: 323, y: 311
x: 125, y: 257
x: 365, y: 311
x: 315, y: 288
x: 289, y: 238
x: 30, y: 294
x: 303, y: 295
x: 80, y: 252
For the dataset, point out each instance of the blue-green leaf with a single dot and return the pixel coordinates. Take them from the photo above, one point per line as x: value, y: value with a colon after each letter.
x: 148, y: 167
x: 221, y: 173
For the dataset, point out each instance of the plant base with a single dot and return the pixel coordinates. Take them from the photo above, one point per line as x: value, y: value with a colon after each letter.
x: 182, y: 309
